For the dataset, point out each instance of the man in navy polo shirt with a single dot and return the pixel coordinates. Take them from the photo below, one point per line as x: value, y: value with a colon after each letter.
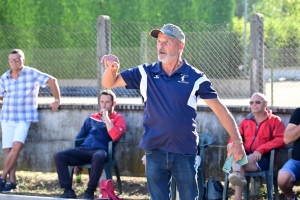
x: 170, y: 89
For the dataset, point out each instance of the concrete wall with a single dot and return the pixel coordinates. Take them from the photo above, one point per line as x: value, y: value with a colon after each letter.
x: 56, y: 129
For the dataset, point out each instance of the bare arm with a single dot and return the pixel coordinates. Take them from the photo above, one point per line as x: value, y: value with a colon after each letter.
x: 52, y: 82
x: 292, y: 133
x: 111, y: 78
x: 1, y: 98
x: 229, y: 124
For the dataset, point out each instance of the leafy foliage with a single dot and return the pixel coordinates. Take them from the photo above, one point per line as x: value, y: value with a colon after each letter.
x: 32, y: 24
x: 42, y: 13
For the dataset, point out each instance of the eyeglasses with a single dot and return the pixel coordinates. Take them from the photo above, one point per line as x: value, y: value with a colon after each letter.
x: 256, y: 102
x: 14, y: 60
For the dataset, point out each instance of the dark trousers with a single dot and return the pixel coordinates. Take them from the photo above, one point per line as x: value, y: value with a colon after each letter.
x: 77, y: 157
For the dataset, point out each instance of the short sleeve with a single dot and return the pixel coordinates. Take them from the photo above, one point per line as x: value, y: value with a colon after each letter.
x: 206, y: 91
x: 295, y: 118
x: 40, y: 77
x: 132, y: 78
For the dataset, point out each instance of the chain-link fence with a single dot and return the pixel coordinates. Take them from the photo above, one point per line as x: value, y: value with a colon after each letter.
x: 65, y: 52
x: 282, y: 62
x: 215, y: 50
x: 70, y: 54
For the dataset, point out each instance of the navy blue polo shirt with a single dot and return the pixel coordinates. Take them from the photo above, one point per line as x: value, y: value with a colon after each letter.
x: 170, y: 105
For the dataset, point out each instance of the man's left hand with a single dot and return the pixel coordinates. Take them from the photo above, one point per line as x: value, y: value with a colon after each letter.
x: 237, y: 150
x: 55, y: 105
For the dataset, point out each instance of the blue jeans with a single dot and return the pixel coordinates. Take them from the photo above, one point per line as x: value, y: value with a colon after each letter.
x: 161, y: 165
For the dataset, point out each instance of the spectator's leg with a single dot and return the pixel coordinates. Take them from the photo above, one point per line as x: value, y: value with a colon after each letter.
x: 98, y: 161
x: 249, y: 167
x: 13, y: 139
x: 12, y: 172
x: 158, y: 174
x: 10, y: 168
x: 184, y: 170
x: 11, y: 159
x: 238, y: 190
x: 285, y: 183
x: 287, y: 175
x: 70, y: 157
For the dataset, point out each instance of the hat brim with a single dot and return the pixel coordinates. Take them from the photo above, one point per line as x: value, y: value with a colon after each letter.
x: 154, y: 33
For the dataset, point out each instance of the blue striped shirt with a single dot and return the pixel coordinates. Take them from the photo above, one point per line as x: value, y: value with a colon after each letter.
x: 20, y: 94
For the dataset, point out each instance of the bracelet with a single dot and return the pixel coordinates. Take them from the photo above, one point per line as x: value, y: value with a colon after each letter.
x: 238, y: 143
x: 56, y: 100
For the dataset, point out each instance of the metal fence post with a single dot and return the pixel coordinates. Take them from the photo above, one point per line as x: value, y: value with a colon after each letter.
x: 103, y: 46
x: 256, y: 70
x: 257, y: 53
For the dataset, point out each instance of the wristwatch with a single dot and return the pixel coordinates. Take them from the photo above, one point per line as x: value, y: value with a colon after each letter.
x: 56, y: 100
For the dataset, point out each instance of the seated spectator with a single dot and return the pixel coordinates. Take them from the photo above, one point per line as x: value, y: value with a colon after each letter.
x: 98, y: 130
x: 290, y: 172
x: 261, y: 132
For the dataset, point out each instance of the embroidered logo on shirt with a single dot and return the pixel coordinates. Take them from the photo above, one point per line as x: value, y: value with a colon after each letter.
x: 156, y: 76
x: 182, y: 79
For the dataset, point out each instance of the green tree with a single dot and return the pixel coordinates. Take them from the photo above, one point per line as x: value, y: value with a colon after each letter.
x: 239, y: 10
x: 221, y: 12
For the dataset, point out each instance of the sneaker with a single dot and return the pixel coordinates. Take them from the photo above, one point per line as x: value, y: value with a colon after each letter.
x: 88, y: 195
x: 237, y: 179
x: 2, y: 184
x: 9, y: 187
x: 68, y: 194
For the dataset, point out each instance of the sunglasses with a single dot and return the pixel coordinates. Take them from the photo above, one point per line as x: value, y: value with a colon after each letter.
x: 256, y: 102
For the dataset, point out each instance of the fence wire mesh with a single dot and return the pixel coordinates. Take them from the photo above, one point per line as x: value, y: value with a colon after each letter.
x: 69, y: 53
x: 65, y: 52
x: 282, y: 62
x: 213, y: 49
